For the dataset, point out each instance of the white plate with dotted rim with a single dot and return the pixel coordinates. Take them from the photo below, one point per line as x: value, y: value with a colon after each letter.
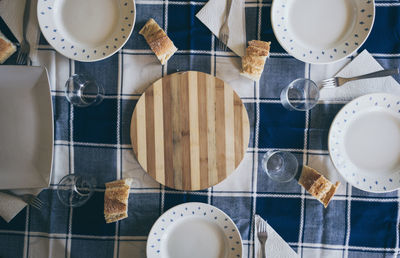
x: 322, y: 31
x: 364, y: 142
x: 194, y: 230
x: 89, y: 30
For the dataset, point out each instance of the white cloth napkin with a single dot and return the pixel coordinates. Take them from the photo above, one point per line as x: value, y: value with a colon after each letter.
x: 275, y: 246
x: 364, y: 63
x: 10, y: 205
x: 213, y: 16
x: 12, y: 12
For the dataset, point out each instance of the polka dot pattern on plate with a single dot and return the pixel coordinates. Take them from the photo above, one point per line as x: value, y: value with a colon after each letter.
x: 193, y: 210
x: 77, y: 51
x: 288, y: 37
x: 360, y: 177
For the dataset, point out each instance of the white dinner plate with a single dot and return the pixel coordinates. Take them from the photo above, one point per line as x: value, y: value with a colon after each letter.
x: 88, y: 30
x: 26, y: 127
x: 194, y: 230
x: 322, y: 31
x: 364, y: 142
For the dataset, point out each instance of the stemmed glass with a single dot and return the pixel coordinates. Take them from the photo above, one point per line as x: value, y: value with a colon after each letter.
x: 75, y: 190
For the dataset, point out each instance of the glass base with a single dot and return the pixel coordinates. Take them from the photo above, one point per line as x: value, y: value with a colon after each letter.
x: 75, y: 190
x: 280, y: 166
x: 82, y: 91
x: 301, y: 94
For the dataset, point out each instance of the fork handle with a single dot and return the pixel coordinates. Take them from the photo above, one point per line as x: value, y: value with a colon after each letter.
x: 382, y: 73
x: 263, y: 250
x: 228, y: 10
x: 26, y: 18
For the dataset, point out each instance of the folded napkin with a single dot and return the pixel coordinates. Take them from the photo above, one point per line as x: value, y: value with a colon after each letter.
x: 213, y: 16
x: 275, y: 245
x: 364, y: 63
x: 12, y: 12
x: 10, y: 205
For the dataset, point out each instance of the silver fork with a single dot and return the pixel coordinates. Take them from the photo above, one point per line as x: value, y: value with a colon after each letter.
x: 23, y: 53
x: 339, y: 81
x: 262, y: 236
x: 30, y: 199
x: 224, y: 31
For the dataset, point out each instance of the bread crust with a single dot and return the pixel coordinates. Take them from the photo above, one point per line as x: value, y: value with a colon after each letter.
x: 254, y: 60
x: 6, y: 49
x: 115, y: 218
x: 119, y: 183
x: 317, y: 185
x: 116, y: 200
x: 158, y: 41
x: 261, y: 44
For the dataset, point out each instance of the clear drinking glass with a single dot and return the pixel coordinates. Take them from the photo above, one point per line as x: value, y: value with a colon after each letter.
x: 280, y: 166
x: 83, y: 91
x: 75, y: 190
x: 301, y: 95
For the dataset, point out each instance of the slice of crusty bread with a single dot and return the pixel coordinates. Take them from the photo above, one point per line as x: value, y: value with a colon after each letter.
x: 317, y: 185
x: 158, y: 41
x: 6, y: 49
x: 254, y: 60
x: 116, y: 200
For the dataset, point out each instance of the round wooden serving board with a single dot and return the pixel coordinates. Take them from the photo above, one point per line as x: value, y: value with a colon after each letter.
x: 189, y: 130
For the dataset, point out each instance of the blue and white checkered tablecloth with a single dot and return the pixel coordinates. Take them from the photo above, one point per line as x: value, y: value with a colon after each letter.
x: 95, y: 141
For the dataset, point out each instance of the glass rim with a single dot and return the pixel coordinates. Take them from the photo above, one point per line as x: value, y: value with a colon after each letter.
x: 86, y: 79
x: 286, y: 89
x: 268, y: 155
x: 88, y: 196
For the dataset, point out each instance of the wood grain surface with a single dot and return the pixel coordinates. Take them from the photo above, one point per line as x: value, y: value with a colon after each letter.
x: 189, y: 130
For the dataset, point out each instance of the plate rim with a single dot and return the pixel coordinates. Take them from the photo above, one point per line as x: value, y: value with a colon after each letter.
x: 305, y: 60
x: 341, y: 111
x: 76, y: 58
x: 49, y: 104
x: 52, y: 122
x: 191, y: 204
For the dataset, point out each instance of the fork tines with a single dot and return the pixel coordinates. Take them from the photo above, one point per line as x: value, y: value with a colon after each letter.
x: 22, y: 57
x: 23, y: 53
x: 225, y: 39
x: 262, y: 227
x: 36, y: 203
x: 331, y: 82
x: 220, y: 44
x: 262, y: 232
